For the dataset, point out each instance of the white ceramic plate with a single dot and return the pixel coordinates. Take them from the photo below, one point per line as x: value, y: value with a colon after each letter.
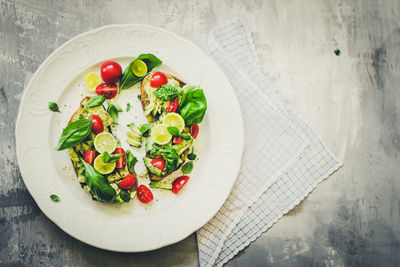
x: 133, y: 226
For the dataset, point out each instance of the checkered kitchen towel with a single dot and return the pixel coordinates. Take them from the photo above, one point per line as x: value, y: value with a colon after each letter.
x: 283, y: 159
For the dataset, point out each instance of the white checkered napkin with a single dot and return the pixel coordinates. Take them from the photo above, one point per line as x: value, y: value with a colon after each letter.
x: 279, y: 145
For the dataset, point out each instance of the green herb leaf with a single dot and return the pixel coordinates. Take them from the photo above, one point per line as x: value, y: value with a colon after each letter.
x: 171, y: 158
x: 130, y: 161
x: 98, y: 184
x: 54, y: 107
x: 95, y: 101
x: 55, y: 198
x: 125, y: 195
x: 144, y: 129
x: 74, y: 133
x: 128, y: 107
x: 185, y: 136
x: 139, y: 97
x: 111, y: 158
x: 128, y: 78
x: 337, y: 52
x: 113, y: 110
x: 192, y: 156
x: 173, y: 130
x: 187, y: 167
x: 193, y: 105
x: 167, y: 92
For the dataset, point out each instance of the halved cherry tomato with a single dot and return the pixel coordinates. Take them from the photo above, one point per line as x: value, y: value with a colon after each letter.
x: 108, y: 90
x: 144, y: 194
x: 97, y: 124
x: 121, y: 162
x: 177, y: 140
x: 178, y: 183
x: 194, y: 130
x: 158, y: 163
x: 110, y: 71
x: 127, y: 182
x: 172, y: 105
x: 89, y: 156
x: 158, y: 78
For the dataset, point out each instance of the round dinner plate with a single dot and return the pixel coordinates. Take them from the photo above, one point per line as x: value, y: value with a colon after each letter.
x: 133, y: 226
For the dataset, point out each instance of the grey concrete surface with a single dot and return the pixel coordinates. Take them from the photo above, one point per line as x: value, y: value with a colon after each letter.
x: 352, y: 101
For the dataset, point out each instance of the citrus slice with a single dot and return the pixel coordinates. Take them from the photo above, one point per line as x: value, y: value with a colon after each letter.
x: 175, y: 120
x: 139, y: 68
x: 91, y: 81
x: 103, y: 167
x: 160, y: 134
x: 105, y: 142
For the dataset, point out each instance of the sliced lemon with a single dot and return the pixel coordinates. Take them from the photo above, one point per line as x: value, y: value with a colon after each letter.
x: 103, y: 167
x: 160, y: 134
x: 139, y: 68
x: 175, y: 120
x: 91, y: 81
x: 105, y: 142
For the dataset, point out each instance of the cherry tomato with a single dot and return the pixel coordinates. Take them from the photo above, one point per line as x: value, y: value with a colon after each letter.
x: 97, y: 124
x: 194, y: 130
x: 158, y: 163
x: 144, y: 194
x: 121, y: 162
x: 172, y: 105
x: 178, y: 183
x: 110, y: 71
x: 108, y: 90
x: 127, y: 182
x: 89, y: 156
x: 158, y: 78
x: 177, y: 140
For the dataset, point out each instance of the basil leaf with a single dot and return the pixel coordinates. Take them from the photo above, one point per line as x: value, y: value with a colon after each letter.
x: 128, y: 107
x: 130, y: 161
x: 54, y: 107
x: 144, y: 129
x: 113, y: 110
x: 98, y: 184
x: 128, y: 78
x: 193, y: 105
x: 95, y: 101
x: 167, y: 92
x: 107, y: 158
x: 55, y: 198
x: 337, y: 51
x: 185, y: 136
x: 187, y: 167
x: 173, y: 130
x: 125, y: 195
x: 192, y: 156
x: 74, y: 133
x: 171, y: 158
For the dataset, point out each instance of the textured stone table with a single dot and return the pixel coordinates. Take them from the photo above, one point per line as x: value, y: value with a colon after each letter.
x: 352, y: 101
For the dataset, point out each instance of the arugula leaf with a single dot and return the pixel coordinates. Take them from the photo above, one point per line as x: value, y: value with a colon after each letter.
x: 128, y: 107
x: 167, y: 92
x: 98, y: 184
x: 187, y: 167
x: 54, y: 107
x: 130, y: 161
x: 111, y: 158
x: 128, y: 78
x: 113, y: 110
x: 95, y: 101
x: 144, y: 129
x: 74, y: 133
x: 193, y: 105
x: 55, y: 198
x: 192, y: 156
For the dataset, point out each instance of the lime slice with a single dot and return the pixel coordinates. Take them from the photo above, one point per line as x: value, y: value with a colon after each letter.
x: 160, y: 134
x: 105, y: 142
x: 139, y: 68
x: 103, y: 167
x: 91, y: 82
x: 175, y: 120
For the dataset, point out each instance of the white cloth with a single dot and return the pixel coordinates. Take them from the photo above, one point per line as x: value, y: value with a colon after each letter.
x: 282, y: 154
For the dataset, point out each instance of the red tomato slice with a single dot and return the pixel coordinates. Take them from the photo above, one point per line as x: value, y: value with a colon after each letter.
x: 172, y: 105
x: 89, y: 156
x: 97, y: 124
x: 158, y: 78
x: 144, y: 194
x: 177, y: 140
x: 108, y: 90
x: 127, y: 182
x: 121, y: 162
x: 110, y: 71
x: 158, y: 163
x: 178, y: 183
x: 194, y: 130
